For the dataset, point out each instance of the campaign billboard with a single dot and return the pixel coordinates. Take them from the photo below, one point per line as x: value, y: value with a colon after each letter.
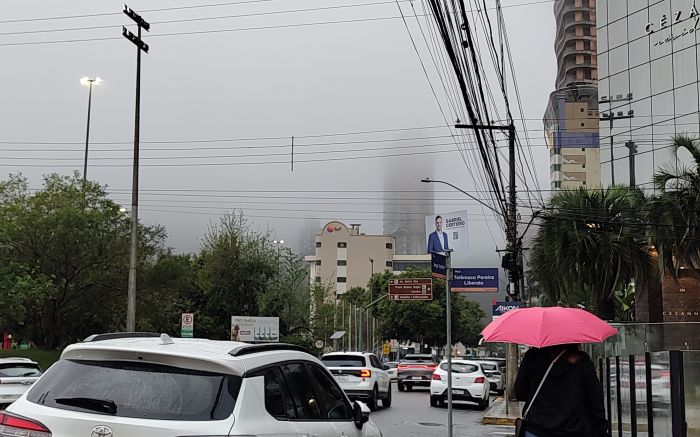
x: 447, y: 231
x: 475, y: 280
x: 255, y: 329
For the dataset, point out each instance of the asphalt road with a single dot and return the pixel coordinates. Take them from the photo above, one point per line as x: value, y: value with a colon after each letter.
x: 411, y: 415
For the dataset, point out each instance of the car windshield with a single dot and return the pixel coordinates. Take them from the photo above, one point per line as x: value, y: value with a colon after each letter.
x: 460, y: 367
x: 15, y: 370
x: 139, y: 390
x: 343, y: 361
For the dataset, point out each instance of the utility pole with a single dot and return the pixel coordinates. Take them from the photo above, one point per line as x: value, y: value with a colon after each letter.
x: 611, y: 117
x: 89, y: 82
x: 133, y: 247
x: 448, y: 310
x: 633, y: 151
x: 512, y: 260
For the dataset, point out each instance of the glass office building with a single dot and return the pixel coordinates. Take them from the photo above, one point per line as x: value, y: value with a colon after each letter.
x: 648, y: 86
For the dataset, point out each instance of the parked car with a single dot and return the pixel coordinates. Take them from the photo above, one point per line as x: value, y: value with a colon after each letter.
x: 16, y: 377
x: 361, y: 376
x: 469, y: 384
x: 393, y: 370
x: 494, y: 376
x: 416, y: 370
x: 151, y: 385
x: 660, y: 386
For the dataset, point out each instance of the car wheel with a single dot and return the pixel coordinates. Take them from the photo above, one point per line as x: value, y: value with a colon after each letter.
x: 484, y: 404
x: 372, y: 401
x: 401, y: 387
x: 433, y: 401
x: 386, y: 403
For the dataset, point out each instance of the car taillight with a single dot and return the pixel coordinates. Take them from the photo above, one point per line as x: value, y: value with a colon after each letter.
x: 437, y: 377
x: 401, y: 366
x: 365, y: 373
x: 479, y: 380
x: 12, y: 426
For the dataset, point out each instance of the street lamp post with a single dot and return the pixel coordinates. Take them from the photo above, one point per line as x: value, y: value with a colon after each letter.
x: 89, y: 83
x: 279, y: 244
x: 370, y: 319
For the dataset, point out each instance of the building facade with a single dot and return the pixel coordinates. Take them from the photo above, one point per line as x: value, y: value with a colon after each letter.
x: 648, y: 85
x: 571, y: 119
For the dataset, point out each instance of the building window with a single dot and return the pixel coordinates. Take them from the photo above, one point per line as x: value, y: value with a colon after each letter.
x: 342, y: 262
x: 583, y: 149
x: 557, y: 184
x: 342, y: 279
x: 389, y: 245
x: 583, y: 165
x: 318, y: 262
x: 582, y: 109
x: 389, y: 264
x: 342, y: 245
x: 318, y: 244
x: 556, y: 167
x: 583, y: 124
x: 584, y: 182
x: 317, y: 279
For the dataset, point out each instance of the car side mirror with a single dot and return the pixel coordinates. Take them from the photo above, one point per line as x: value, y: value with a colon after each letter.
x: 361, y: 414
x: 385, y: 367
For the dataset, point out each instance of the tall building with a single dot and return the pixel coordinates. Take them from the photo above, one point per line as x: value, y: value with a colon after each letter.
x: 571, y: 118
x: 650, y: 85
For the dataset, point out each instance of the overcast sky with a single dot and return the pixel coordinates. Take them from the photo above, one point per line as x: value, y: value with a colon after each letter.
x: 267, y: 84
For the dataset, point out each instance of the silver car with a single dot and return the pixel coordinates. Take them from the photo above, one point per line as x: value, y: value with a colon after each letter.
x: 16, y: 377
x: 393, y: 370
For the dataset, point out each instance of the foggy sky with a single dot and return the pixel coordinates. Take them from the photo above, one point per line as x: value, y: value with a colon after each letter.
x: 275, y: 82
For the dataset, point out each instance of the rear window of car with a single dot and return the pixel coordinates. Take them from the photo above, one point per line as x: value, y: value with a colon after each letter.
x: 139, y: 390
x: 343, y: 361
x: 418, y: 359
x: 19, y: 370
x: 392, y: 365
x: 460, y: 368
x: 489, y: 367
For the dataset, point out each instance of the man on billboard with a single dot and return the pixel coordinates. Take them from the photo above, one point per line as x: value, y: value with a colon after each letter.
x: 437, y: 240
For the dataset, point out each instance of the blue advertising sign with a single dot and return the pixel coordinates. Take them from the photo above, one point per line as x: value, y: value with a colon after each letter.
x: 482, y: 280
x: 439, y: 265
x: 501, y: 308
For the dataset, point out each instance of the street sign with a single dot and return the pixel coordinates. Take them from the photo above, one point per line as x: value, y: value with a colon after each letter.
x: 439, y: 265
x: 500, y: 308
x: 475, y: 281
x: 187, y: 325
x: 411, y: 289
x: 319, y: 344
x: 394, y: 345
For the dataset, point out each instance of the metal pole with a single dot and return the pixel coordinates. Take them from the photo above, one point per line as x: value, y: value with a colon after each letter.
x: 133, y: 255
x: 612, y: 155
x: 633, y: 151
x: 512, y: 349
x: 448, y: 310
x: 359, y: 336
x: 87, y: 133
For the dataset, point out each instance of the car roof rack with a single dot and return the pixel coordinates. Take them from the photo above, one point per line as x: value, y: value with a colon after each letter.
x: 247, y: 349
x: 120, y: 335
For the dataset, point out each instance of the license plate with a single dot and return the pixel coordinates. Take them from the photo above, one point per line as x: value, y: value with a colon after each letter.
x: 341, y: 377
x: 417, y: 377
x: 458, y: 392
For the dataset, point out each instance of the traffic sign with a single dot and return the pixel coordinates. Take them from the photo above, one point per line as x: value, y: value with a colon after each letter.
x: 319, y: 344
x: 411, y: 289
x: 438, y: 265
x: 187, y: 328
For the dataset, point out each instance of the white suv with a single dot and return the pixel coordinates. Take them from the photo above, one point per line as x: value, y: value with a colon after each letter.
x: 16, y: 376
x: 151, y: 385
x: 361, y: 376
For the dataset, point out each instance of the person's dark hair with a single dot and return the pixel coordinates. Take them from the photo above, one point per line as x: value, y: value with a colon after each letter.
x: 572, y: 352
x: 438, y: 217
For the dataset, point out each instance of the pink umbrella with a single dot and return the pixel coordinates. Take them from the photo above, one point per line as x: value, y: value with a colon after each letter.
x: 540, y: 327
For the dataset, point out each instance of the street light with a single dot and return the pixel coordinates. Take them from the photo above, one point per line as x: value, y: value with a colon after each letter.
x: 89, y: 83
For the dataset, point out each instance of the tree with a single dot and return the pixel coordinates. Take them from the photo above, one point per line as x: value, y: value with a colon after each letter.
x: 674, y: 213
x: 589, y: 245
x: 67, y: 246
x: 424, y: 321
x: 237, y: 264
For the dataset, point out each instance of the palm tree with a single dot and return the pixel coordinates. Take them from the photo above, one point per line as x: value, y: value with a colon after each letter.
x: 674, y: 213
x: 590, y: 244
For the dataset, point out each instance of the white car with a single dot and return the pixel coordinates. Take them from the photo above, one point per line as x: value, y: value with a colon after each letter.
x: 393, y: 370
x: 469, y: 384
x: 361, y: 376
x: 492, y: 371
x: 16, y: 376
x: 151, y: 385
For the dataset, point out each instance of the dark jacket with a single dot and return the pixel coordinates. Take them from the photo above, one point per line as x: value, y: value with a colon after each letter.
x: 570, y: 402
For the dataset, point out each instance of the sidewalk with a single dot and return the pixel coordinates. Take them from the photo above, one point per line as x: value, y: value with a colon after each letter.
x: 496, y: 415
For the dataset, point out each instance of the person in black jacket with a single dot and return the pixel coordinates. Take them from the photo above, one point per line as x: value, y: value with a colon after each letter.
x: 570, y: 402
